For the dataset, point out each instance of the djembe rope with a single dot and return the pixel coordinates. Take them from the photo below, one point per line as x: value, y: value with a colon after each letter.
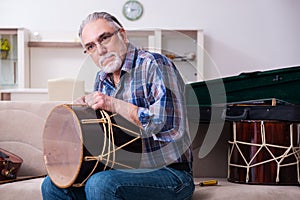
x: 108, y: 144
x: 290, y: 151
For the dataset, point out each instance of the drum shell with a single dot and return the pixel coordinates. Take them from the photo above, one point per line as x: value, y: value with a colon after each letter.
x: 91, y: 143
x: 263, y: 167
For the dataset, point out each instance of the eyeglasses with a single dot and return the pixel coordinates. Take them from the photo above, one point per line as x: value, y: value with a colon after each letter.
x: 102, y: 40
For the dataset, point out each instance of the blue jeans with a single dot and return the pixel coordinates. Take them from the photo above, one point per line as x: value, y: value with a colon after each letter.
x: 165, y: 183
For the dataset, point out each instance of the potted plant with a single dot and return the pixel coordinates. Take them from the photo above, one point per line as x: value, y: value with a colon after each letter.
x: 4, y: 48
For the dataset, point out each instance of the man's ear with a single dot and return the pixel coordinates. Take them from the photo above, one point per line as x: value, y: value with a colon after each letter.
x: 123, y: 34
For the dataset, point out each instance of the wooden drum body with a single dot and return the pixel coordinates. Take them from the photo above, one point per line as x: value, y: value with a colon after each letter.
x: 264, y: 152
x: 79, y: 141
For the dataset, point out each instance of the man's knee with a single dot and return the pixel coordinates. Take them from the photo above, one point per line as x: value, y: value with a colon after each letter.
x: 102, y: 183
x: 46, y: 184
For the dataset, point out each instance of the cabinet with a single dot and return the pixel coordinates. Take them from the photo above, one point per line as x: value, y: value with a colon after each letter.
x: 14, y: 60
x: 184, y: 47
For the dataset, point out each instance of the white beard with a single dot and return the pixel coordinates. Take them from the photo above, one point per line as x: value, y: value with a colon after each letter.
x: 111, y: 66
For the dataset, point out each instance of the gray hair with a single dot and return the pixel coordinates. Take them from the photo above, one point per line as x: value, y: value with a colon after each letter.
x: 100, y: 15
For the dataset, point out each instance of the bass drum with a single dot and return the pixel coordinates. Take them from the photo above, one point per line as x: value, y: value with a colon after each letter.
x: 79, y: 141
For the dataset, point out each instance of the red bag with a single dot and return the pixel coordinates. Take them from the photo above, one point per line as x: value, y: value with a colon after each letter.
x: 9, y: 165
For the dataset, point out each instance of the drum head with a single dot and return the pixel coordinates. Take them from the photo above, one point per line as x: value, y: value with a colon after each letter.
x: 63, y: 150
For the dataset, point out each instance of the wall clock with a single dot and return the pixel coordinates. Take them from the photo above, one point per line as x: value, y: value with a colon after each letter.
x: 133, y: 10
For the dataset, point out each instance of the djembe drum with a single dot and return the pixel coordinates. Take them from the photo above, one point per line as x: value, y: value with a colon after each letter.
x: 79, y: 141
x: 264, y: 152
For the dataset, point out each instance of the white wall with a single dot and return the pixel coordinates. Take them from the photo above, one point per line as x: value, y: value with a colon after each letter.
x: 240, y: 35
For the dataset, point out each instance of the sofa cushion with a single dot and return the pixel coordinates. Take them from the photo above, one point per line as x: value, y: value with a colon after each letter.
x: 23, y: 190
x: 22, y: 125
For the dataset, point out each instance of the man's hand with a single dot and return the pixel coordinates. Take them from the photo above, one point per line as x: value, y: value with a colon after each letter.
x: 97, y: 100
x: 80, y: 100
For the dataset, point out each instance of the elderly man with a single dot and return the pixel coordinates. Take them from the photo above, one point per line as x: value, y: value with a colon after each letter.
x: 146, y: 89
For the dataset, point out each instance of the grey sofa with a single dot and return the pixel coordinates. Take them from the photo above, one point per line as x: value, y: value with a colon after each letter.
x: 21, y: 128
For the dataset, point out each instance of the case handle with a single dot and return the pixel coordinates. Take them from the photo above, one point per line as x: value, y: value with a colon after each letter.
x: 235, y: 118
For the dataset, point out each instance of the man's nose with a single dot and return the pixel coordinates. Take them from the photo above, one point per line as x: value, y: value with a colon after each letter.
x: 100, y: 49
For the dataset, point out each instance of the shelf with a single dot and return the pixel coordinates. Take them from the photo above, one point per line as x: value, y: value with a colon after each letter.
x: 55, y: 44
x: 8, y: 31
x: 24, y: 94
x: 8, y: 59
x: 69, y: 57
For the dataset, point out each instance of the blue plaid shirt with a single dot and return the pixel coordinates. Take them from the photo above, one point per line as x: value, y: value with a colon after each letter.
x: 152, y: 82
